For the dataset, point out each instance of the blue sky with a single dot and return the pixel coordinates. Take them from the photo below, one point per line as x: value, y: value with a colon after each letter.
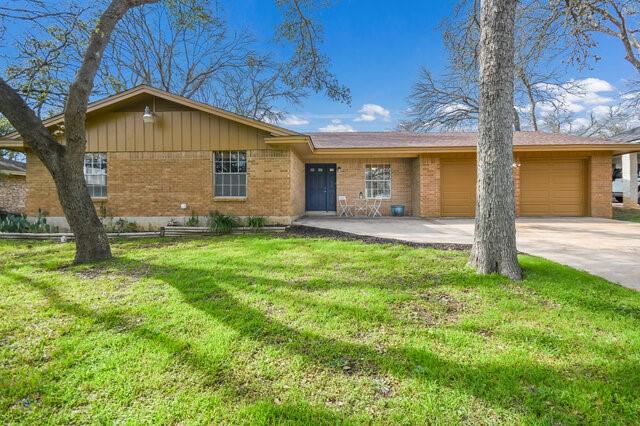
x: 377, y: 47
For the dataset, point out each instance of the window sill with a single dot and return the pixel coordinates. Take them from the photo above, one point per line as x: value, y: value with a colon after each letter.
x: 98, y: 198
x: 224, y: 199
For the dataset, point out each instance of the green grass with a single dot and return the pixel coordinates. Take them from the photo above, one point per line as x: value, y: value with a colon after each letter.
x: 263, y: 330
x: 628, y: 215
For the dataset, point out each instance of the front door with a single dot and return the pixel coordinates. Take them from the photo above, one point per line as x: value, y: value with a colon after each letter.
x: 320, y: 187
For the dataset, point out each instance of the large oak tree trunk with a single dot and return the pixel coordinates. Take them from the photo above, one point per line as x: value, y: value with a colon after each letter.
x: 65, y: 162
x: 91, y: 239
x: 494, y: 245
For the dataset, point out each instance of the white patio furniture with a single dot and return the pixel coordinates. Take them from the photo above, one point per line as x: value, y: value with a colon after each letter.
x: 345, y: 208
x: 361, y: 207
x: 374, y: 207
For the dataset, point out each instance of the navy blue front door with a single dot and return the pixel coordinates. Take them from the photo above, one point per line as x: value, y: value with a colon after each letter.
x: 320, y: 187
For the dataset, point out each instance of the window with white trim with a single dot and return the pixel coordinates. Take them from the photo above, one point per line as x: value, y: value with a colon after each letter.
x: 230, y: 174
x: 377, y: 181
x: 95, y: 173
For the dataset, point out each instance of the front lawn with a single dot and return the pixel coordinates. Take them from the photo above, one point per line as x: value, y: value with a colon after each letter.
x: 265, y: 330
x: 628, y: 215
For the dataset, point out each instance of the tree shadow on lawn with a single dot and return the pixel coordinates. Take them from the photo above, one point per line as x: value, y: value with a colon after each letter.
x: 531, y: 389
x: 261, y: 406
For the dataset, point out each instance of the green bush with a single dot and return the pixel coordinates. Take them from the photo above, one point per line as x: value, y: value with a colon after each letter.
x: 194, y: 220
x: 220, y: 223
x: 256, y: 222
x: 19, y: 223
x: 121, y: 225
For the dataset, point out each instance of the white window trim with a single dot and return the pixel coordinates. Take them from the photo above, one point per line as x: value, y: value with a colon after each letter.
x: 366, y: 195
x: 106, y: 176
x: 246, y: 173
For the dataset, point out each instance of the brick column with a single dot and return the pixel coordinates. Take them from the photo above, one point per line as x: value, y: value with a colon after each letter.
x: 516, y: 184
x: 630, y: 180
x: 601, y: 185
x: 429, y: 186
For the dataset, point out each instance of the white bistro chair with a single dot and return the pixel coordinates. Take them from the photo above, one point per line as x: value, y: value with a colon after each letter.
x: 345, y: 209
x: 374, y: 207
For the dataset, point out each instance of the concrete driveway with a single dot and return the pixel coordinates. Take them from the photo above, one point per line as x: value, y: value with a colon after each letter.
x: 603, y: 247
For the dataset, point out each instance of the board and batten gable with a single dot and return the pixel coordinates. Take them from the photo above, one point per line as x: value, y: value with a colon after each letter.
x: 176, y: 128
x: 155, y: 168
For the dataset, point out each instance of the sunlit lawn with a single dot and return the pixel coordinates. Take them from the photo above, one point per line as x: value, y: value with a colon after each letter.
x: 264, y: 330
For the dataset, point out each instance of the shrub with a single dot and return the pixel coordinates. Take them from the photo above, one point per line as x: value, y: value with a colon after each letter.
x: 121, y: 225
x: 19, y: 223
x: 256, y: 222
x: 14, y: 223
x: 220, y: 223
x: 194, y: 220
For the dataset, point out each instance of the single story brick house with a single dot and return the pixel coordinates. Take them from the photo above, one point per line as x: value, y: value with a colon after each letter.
x: 152, y: 156
x: 13, y: 186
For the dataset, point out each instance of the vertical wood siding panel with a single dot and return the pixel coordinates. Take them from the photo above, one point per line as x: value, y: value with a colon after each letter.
x: 204, y: 132
x: 130, y: 132
x: 195, y: 131
x: 112, y: 133
x: 176, y: 131
x: 234, y: 135
x: 92, y: 138
x: 148, y: 136
x: 139, y: 138
x: 158, y: 131
x: 102, y: 136
x: 214, y: 138
x: 223, y: 140
x: 121, y: 124
x: 186, y: 130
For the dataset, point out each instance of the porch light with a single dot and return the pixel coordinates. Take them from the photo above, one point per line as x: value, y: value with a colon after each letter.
x: 148, y: 117
x: 361, y: 195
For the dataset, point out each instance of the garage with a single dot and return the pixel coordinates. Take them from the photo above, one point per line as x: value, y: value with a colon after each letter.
x: 554, y: 187
x: 458, y: 188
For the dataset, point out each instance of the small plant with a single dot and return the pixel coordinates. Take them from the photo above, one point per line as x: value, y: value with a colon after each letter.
x: 121, y: 225
x: 220, y: 223
x: 19, y: 223
x: 194, y: 220
x: 40, y: 224
x: 256, y: 222
x: 14, y: 223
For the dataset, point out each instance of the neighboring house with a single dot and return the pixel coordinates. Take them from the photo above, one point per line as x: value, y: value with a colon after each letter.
x: 13, y: 186
x: 183, y: 156
x: 631, y: 136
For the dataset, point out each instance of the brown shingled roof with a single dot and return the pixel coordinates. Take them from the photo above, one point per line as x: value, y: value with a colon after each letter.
x: 436, y: 140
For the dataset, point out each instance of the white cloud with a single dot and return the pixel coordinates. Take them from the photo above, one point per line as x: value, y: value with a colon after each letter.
x: 576, y: 95
x: 337, y: 125
x: 370, y: 112
x: 294, y: 120
x: 601, y: 111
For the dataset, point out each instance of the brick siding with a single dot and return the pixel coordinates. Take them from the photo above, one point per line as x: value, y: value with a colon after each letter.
x: 13, y: 193
x: 144, y: 184
x: 601, y: 186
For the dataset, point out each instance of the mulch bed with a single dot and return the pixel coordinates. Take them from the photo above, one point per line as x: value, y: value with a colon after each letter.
x: 312, y: 232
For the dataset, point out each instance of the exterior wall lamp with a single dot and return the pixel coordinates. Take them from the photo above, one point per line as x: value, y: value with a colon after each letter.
x: 148, y: 117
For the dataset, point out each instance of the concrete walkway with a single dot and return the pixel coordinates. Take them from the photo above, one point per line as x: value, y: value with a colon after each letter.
x: 603, y: 247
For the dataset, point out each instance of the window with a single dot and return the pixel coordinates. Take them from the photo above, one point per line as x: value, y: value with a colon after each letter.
x: 95, y: 174
x: 377, y: 180
x: 230, y: 177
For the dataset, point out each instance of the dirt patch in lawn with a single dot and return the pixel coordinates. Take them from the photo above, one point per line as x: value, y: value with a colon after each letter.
x: 312, y: 232
x: 431, y: 309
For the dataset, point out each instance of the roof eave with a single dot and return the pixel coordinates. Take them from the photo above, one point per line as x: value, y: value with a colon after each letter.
x: 102, y: 103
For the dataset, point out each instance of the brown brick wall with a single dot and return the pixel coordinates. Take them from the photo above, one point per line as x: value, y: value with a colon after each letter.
x: 350, y: 181
x: 601, y: 185
x: 143, y: 184
x: 416, y: 179
x: 430, y: 181
x: 13, y: 193
x: 297, y: 185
